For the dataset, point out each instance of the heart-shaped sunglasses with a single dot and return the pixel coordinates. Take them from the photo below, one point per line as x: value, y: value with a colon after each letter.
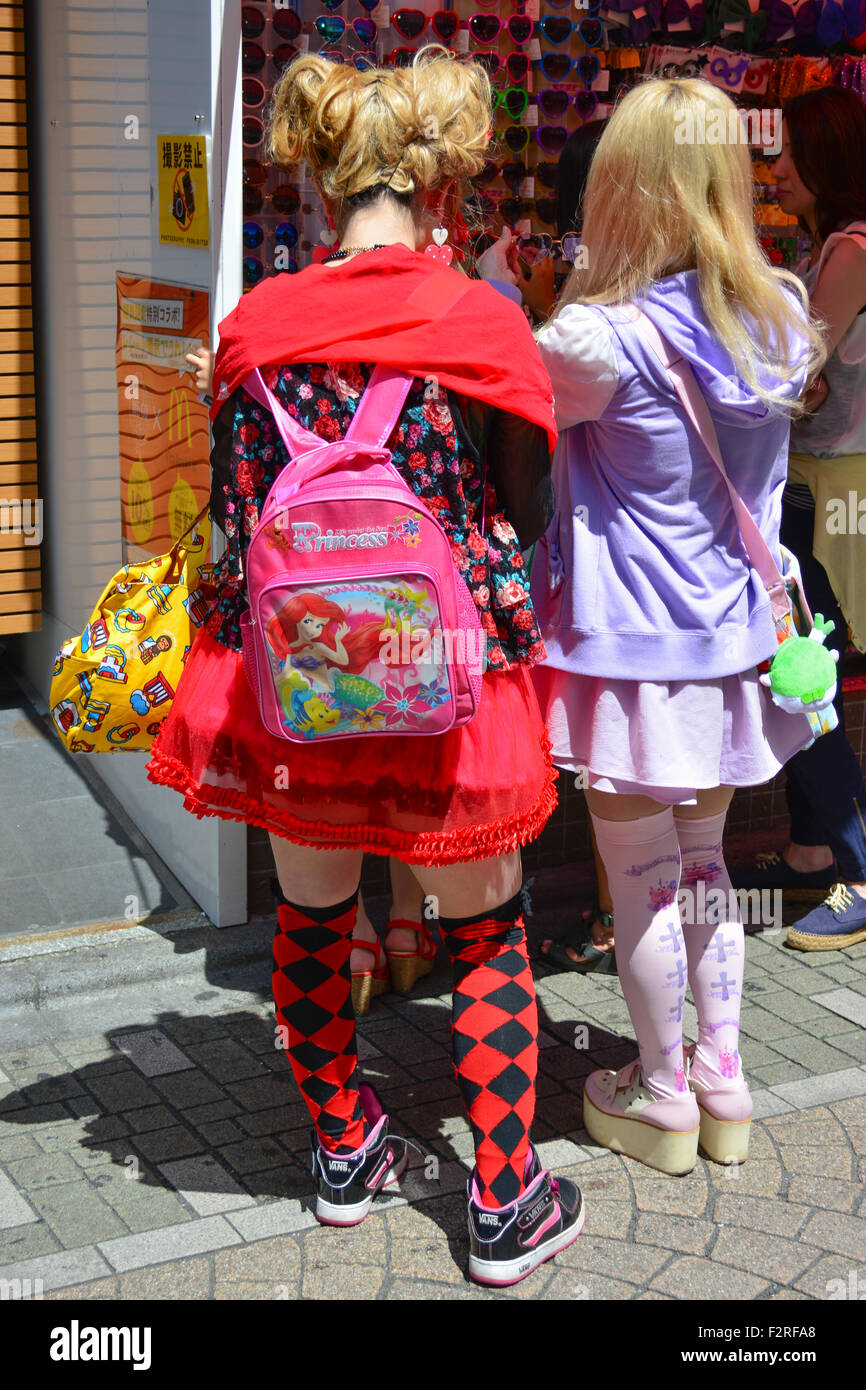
x: 332, y: 27
x: 287, y: 24
x: 546, y: 209
x: 360, y: 59
x: 513, y: 173
x: 515, y: 63
x: 486, y: 28
x: 254, y: 57
x: 410, y: 23
x: 553, y: 103
x: 557, y: 66
x: 514, y: 99
x: 551, y: 138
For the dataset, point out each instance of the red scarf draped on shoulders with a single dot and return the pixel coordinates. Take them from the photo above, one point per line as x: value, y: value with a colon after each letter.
x: 399, y: 308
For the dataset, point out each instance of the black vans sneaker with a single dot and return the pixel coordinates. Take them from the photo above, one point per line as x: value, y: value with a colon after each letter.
x: 347, y: 1183
x: 507, y: 1243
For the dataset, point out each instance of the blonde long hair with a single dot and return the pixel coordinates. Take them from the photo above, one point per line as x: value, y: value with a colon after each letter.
x: 411, y: 129
x: 658, y: 201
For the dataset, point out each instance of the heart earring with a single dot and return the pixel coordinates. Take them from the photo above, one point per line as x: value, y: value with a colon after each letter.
x: 439, y: 250
x: 328, y: 235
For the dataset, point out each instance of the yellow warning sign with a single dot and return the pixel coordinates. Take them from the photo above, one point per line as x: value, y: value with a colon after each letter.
x: 181, y: 164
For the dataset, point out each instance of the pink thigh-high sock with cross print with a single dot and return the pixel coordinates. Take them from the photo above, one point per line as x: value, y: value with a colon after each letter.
x: 642, y: 859
x: 715, y: 946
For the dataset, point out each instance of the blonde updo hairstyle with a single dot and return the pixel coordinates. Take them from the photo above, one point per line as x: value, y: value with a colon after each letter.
x: 408, y: 130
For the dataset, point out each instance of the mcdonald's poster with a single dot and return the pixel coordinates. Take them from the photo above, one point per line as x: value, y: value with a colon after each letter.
x: 181, y: 173
x: 163, y: 427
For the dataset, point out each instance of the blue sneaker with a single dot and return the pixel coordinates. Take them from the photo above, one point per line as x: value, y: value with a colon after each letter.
x: 840, y: 921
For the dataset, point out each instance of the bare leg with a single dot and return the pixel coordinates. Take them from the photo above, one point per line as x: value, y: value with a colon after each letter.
x: 315, y: 877
x: 807, y: 859
x: 364, y: 931
x: 710, y: 803
x: 461, y: 890
x: 407, y: 905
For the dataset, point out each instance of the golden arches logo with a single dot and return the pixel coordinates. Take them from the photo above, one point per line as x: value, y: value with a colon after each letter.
x: 178, y: 412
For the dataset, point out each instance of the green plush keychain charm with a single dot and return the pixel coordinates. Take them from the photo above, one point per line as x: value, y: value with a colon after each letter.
x: 802, y: 674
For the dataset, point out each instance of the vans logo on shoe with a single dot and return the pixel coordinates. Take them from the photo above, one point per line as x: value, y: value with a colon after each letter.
x: 337, y: 1167
x: 534, y: 1212
x: 488, y: 1218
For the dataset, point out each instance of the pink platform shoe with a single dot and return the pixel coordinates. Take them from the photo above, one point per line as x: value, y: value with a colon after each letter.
x: 621, y: 1114
x: 726, y: 1113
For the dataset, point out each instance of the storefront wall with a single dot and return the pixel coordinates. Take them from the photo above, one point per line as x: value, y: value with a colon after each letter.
x: 95, y: 64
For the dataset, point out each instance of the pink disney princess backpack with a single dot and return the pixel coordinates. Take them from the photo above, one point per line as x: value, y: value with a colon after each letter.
x: 358, y: 621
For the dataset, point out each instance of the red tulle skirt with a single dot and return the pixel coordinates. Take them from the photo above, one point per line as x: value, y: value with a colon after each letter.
x: 480, y: 790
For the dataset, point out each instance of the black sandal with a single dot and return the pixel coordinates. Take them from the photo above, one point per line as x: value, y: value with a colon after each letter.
x: 592, y: 959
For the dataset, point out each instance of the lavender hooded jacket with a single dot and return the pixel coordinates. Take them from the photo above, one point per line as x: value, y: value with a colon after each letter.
x: 642, y: 573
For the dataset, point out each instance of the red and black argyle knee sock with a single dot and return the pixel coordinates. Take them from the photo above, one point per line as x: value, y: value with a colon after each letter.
x: 312, y: 984
x: 494, y: 1034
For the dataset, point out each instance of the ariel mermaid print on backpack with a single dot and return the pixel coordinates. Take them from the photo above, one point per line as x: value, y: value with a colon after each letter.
x: 358, y: 621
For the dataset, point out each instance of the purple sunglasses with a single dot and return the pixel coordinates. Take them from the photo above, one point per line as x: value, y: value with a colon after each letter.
x: 551, y: 138
x: 553, y: 103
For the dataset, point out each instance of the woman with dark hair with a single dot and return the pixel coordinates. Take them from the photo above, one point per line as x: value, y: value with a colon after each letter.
x: 571, y: 175
x: 537, y: 283
x: 821, y: 179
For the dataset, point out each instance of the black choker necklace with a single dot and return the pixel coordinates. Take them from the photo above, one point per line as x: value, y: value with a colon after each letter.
x: 351, y: 251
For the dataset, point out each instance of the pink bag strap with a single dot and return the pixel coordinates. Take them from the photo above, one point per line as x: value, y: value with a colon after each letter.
x: 378, y: 410
x: 695, y: 405
x: 296, y: 439
x: 375, y: 416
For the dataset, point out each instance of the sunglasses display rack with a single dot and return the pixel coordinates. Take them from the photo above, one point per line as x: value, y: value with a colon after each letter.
x: 554, y: 65
x: 548, y: 64
x: 279, y: 209
x: 547, y: 68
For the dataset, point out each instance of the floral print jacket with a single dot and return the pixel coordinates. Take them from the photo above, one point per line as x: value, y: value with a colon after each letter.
x: 442, y: 447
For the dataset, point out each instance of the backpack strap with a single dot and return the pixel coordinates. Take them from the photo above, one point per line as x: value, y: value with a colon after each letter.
x: 378, y: 410
x: 296, y: 438
x: 694, y: 403
x: 375, y: 416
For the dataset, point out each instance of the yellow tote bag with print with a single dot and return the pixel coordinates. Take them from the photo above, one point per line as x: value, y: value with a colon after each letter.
x: 114, y: 685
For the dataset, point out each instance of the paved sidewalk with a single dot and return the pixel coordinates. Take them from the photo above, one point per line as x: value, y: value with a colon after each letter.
x: 152, y: 1144
x: 100, y: 867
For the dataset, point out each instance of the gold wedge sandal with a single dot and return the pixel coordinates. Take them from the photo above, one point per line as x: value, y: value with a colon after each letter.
x: 408, y: 967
